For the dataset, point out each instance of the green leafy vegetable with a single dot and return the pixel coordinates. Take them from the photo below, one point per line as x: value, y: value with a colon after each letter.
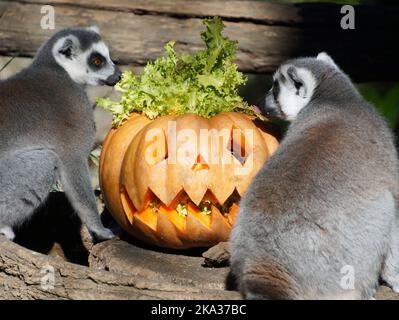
x: 204, y: 83
x: 182, y: 209
x: 206, y: 207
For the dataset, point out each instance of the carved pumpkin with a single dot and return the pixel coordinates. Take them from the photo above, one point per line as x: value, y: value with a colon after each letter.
x: 181, y: 204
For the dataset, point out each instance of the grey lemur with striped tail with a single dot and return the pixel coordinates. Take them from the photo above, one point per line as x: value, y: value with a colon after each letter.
x: 47, y: 128
x: 326, y: 201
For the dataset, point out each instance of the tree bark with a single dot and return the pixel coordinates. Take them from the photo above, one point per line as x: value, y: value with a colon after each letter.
x: 23, y: 273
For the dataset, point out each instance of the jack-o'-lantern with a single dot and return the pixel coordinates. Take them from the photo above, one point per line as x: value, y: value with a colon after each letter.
x: 176, y: 181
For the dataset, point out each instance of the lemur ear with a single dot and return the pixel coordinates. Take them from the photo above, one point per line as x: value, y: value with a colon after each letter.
x: 326, y: 58
x: 94, y: 28
x: 68, y: 47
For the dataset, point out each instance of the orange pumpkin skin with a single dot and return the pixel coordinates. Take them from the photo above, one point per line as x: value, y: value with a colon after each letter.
x: 143, y: 196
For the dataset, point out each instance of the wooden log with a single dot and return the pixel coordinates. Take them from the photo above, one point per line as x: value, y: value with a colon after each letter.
x: 22, y: 272
x: 167, y: 267
x: 267, y: 33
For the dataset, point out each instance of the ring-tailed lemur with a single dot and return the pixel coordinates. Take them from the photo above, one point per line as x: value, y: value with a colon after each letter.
x: 319, y: 220
x: 47, y: 128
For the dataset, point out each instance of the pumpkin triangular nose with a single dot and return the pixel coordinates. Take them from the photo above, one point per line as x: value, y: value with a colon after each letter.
x: 200, y: 164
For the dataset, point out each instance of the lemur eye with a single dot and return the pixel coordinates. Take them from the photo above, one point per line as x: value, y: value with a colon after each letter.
x: 97, y: 62
x: 297, y: 84
x: 275, y: 89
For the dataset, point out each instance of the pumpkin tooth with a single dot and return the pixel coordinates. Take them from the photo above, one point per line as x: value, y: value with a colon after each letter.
x: 180, y: 197
x: 143, y: 232
x: 128, y: 206
x: 232, y: 216
x: 196, y: 229
x: 220, y: 223
x: 168, y: 193
x: 148, y: 216
x: 166, y: 231
x: 178, y: 220
x: 205, y: 219
x: 196, y: 192
x: 222, y: 193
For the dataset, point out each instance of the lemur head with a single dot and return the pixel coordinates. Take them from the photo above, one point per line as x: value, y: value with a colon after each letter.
x: 295, y: 83
x: 82, y: 54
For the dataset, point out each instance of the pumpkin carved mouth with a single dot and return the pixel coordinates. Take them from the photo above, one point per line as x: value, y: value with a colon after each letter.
x: 180, y: 209
x: 191, y: 203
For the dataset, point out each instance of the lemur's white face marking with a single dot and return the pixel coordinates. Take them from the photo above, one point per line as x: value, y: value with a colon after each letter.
x: 92, y: 66
x: 292, y: 90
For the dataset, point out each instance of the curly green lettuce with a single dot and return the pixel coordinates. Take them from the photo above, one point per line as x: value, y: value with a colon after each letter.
x: 205, y: 83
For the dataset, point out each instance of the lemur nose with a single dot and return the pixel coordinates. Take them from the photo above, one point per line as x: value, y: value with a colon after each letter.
x: 114, y: 78
x: 118, y: 73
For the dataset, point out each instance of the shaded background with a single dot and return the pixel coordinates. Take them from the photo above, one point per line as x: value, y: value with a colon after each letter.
x: 384, y: 95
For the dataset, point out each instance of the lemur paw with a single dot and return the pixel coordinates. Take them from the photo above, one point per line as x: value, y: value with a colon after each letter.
x: 7, y: 232
x: 102, y: 234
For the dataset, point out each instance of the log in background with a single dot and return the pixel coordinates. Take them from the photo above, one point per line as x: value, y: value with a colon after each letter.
x: 267, y: 33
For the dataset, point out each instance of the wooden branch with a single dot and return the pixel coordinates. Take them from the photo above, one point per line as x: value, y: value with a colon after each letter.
x: 21, y: 278
x: 148, y: 263
x: 134, y: 273
x: 267, y: 33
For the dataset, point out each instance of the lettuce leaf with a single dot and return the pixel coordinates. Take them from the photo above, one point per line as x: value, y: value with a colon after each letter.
x: 205, y: 83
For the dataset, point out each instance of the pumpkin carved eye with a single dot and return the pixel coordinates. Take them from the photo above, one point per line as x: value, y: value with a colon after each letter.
x: 237, y: 145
